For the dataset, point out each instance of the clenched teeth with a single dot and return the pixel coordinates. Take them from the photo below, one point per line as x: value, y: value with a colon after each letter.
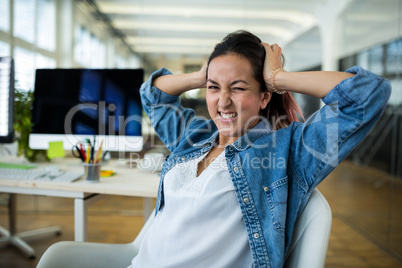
x: 228, y: 115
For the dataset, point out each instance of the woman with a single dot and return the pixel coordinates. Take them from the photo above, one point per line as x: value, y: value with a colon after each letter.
x: 233, y: 187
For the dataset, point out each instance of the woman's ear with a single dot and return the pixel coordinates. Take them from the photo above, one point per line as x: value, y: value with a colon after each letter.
x: 266, y: 97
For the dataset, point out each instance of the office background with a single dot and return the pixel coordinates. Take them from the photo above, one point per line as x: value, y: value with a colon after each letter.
x: 314, y: 34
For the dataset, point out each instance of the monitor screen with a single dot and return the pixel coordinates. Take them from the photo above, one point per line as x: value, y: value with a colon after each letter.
x: 71, y: 105
x: 6, y: 99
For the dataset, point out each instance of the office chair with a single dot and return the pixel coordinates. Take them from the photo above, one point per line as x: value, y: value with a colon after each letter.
x: 308, y: 247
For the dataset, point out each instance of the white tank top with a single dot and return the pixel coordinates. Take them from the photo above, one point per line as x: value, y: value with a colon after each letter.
x: 200, y: 225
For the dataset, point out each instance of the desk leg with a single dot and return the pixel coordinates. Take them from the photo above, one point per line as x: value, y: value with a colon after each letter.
x: 81, y: 216
x: 80, y: 220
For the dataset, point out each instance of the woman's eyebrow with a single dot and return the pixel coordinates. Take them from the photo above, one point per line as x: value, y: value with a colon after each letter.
x: 232, y: 83
x: 212, y: 81
x: 238, y: 81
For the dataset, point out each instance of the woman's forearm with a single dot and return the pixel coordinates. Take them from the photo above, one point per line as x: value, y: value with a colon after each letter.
x: 316, y: 84
x: 177, y: 84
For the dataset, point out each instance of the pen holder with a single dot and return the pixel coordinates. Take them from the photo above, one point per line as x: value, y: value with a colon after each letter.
x: 92, y: 171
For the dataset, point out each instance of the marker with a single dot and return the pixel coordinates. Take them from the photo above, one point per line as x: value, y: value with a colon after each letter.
x: 82, y: 152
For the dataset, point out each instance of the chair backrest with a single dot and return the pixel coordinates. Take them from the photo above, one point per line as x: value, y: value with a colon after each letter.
x: 311, y: 234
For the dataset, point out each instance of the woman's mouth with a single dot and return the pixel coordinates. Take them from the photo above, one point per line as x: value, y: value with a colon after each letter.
x: 227, y: 117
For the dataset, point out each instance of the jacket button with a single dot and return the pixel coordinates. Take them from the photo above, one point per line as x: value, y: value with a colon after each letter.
x: 183, y: 158
x: 266, y: 189
x: 256, y: 235
x: 235, y: 168
x: 246, y: 200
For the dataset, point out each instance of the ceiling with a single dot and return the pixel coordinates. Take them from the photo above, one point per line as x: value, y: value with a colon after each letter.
x: 178, y: 28
x: 186, y: 29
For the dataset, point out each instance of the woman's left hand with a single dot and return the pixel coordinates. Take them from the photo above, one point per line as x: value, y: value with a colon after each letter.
x: 272, y: 59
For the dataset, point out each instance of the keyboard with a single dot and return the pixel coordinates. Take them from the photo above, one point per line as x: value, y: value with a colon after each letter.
x: 39, y: 174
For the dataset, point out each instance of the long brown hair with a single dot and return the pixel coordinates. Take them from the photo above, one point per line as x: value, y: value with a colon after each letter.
x: 282, y: 109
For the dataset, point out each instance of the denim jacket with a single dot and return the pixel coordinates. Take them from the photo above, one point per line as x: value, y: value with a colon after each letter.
x: 273, y: 172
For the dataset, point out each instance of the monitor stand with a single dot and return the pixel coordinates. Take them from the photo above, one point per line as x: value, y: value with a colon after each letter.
x: 16, y: 239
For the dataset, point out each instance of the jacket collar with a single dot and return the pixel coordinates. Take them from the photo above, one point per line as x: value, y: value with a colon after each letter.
x: 250, y: 137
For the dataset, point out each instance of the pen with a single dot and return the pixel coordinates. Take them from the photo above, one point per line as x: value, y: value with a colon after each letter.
x: 93, y: 150
x: 87, y: 159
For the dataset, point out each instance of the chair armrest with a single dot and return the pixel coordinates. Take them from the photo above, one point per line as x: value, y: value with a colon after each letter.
x: 83, y: 254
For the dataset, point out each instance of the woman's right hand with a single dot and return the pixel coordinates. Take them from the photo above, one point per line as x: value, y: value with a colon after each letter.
x: 176, y: 84
x: 202, y: 74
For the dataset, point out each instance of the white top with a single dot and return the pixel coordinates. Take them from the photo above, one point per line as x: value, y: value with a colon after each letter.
x: 200, y: 225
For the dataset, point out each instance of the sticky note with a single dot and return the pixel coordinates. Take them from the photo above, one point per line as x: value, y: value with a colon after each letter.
x: 107, y: 173
x: 55, y: 149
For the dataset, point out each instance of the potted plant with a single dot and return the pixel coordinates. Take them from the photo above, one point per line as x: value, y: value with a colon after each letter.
x: 23, y: 101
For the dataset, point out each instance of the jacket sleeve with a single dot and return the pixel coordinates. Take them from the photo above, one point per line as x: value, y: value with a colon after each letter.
x: 167, y: 116
x: 329, y: 135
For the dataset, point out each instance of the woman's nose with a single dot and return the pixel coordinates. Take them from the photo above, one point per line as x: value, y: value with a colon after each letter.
x: 224, y: 99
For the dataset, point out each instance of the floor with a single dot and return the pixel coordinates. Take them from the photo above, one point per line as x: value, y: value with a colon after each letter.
x: 366, y: 228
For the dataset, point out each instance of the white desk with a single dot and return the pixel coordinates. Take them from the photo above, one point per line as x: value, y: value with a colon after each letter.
x: 126, y: 182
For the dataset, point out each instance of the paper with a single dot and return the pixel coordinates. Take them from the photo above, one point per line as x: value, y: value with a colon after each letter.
x: 55, y: 149
x: 17, y: 166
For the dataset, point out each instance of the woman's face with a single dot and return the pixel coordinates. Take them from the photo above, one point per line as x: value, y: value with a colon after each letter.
x: 233, y: 95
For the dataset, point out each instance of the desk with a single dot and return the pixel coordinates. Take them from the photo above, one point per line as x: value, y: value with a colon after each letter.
x: 127, y: 182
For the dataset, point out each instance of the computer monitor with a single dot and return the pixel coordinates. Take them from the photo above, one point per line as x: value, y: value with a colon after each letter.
x: 6, y: 99
x: 71, y: 105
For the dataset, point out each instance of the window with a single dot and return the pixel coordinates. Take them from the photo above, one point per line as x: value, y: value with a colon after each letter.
x: 4, y: 15
x: 78, y: 44
x: 394, y: 57
x: 346, y: 63
x: 24, y: 69
x: 34, y: 23
x: 43, y: 62
x: 363, y: 59
x: 396, y: 93
x: 4, y: 49
x: 89, y: 50
x: 46, y: 35
x: 97, y: 48
x: 120, y: 61
x: 384, y: 60
x: 24, y: 20
x: 376, y: 60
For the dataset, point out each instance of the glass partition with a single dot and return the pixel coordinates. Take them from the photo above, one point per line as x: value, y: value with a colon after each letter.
x: 378, y: 216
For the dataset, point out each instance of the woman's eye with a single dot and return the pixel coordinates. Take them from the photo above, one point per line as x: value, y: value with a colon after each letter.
x: 239, y: 88
x: 213, y: 87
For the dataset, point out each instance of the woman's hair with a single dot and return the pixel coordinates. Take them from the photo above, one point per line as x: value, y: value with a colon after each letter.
x: 282, y: 109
